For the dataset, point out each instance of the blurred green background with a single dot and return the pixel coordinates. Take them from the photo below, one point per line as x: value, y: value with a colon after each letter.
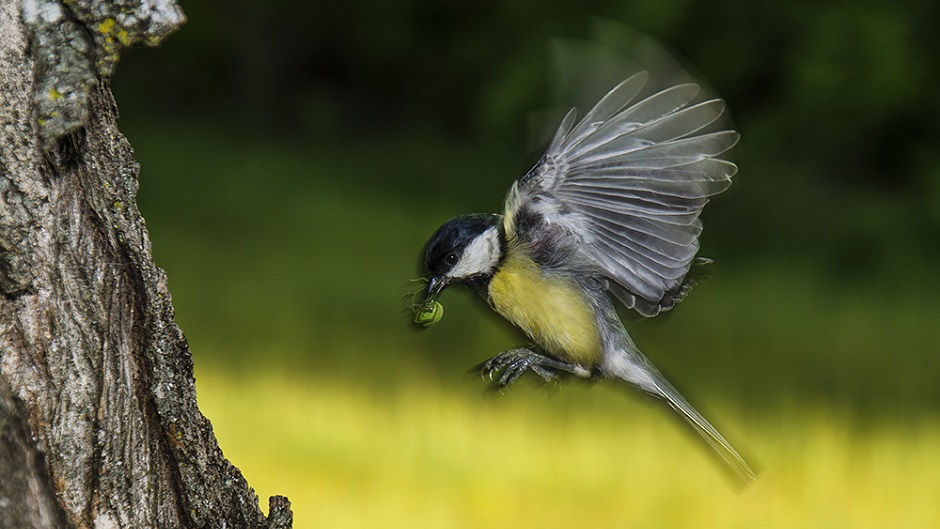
x: 295, y: 156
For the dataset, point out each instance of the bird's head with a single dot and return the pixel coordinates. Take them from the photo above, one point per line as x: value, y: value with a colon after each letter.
x: 464, y: 249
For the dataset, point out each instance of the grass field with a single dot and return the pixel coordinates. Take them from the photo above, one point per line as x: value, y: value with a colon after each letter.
x: 418, y: 454
x: 288, y: 265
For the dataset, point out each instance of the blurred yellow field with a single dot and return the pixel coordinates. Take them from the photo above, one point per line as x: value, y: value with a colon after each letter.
x: 417, y: 454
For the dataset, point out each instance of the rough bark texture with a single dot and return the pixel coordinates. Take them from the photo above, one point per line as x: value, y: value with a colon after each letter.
x: 98, y: 419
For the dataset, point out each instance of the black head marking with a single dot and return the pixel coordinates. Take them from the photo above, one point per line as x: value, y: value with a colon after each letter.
x: 449, y: 241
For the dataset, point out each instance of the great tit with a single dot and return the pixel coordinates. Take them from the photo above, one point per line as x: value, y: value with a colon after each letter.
x: 610, y: 212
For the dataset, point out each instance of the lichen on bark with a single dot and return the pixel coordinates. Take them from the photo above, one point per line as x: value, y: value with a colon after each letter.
x: 75, y: 41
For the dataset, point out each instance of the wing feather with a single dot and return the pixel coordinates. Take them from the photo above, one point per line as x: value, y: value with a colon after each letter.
x: 612, y: 103
x: 628, y: 182
x: 663, y: 257
x: 624, y: 125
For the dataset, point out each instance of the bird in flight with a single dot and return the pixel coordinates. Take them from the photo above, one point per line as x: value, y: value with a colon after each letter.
x: 610, y: 213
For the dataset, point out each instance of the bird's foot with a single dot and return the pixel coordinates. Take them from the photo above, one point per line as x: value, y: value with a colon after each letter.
x: 514, y: 362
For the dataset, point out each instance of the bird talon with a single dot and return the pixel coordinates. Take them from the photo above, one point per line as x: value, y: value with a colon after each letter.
x: 508, y: 366
x: 513, y: 371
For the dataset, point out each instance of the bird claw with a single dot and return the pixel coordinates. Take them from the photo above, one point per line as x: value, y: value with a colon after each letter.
x: 513, y: 363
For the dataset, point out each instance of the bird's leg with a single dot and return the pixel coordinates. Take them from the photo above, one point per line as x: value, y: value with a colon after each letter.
x: 514, y: 362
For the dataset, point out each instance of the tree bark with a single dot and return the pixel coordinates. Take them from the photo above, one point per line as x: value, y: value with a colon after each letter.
x: 99, y: 425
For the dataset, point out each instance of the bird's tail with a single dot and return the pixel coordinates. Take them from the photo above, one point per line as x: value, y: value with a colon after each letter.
x: 634, y: 368
x: 720, y: 446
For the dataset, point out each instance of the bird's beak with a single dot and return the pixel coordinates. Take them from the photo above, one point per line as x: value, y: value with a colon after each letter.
x: 435, y: 286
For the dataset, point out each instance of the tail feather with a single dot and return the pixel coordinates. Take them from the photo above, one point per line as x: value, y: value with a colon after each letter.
x: 736, y: 465
x: 632, y: 367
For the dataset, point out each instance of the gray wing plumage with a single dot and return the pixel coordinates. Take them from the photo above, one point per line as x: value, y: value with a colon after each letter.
x: 629, y: 182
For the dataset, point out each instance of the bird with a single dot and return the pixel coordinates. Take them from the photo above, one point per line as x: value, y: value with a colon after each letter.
x: 609, y: 214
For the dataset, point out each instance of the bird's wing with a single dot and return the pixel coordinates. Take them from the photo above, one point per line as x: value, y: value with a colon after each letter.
x: 629, y: 181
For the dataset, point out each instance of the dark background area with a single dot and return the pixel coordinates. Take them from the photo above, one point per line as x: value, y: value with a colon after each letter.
x: 296, y: 155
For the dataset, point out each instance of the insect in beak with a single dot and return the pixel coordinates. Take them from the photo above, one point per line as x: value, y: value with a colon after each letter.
x: 430, y: 311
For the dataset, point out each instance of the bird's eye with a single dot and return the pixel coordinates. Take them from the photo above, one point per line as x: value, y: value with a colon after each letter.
x: 451, y: 258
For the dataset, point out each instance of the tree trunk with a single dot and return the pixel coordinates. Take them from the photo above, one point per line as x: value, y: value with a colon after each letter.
x: 99, y: 425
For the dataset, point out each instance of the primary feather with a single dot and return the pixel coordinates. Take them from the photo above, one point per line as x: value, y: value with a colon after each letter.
x: 629, y: 181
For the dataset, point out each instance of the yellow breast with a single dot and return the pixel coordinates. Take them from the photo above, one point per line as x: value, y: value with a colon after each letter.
x: 554, y: 313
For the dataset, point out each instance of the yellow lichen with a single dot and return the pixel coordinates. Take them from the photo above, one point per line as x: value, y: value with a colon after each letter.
x: 106, y: 25
x: 123, y: 36
x: 112, y: 31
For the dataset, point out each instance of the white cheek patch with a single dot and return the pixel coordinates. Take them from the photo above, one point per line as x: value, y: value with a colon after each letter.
x: 479, y: 257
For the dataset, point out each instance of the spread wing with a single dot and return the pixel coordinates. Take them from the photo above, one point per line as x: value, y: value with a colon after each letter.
x: 629, y: 181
